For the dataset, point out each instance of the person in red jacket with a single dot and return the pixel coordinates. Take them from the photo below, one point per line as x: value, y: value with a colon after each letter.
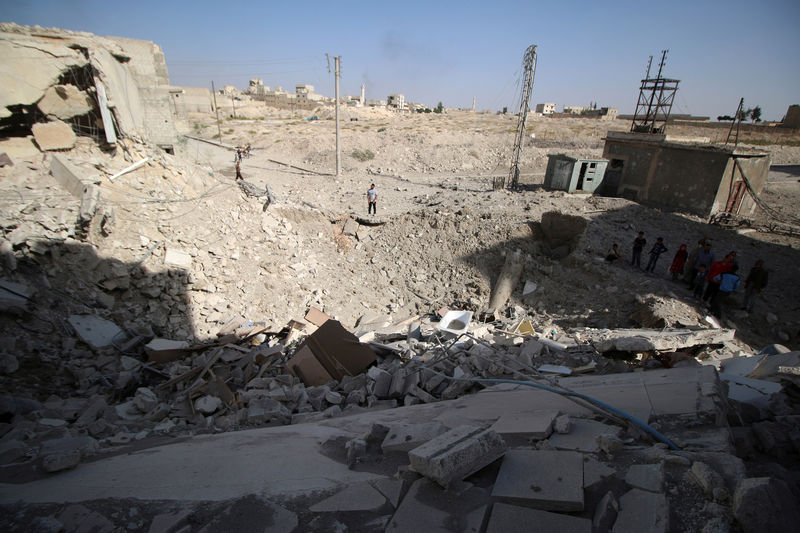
x: 720, y: 267
x: 678, y: 262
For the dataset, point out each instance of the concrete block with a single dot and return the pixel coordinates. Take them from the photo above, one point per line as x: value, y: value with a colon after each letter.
x: 543, y: 479
x: 356, y: 497
x: 178, y: 258
x: 534, y: 425
x: 456, y: 454
x: 406, y: 437
x: 207, y: 404
x: 265, y: 409
x: 562, y: 424
x: 646, y: 477
x: 531, y: 349
x: 145, y: 400
x: 56, y: 135
x: 421, y: 394
x: 642, y: 512
x: 605, y: 513
x: 398, y: 385
x: 57, y: 462
x: 583, y: 436
x: 383, y: 382
x: 95, y: 331
x: 505, y: 517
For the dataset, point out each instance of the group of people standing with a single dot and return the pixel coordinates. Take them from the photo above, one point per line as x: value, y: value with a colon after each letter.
x: 711, y: 281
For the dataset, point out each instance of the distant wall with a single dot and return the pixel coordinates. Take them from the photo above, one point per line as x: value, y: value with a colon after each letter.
x: 187, y: 100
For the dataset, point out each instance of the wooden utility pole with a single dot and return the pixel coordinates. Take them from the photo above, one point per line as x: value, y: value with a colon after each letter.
x: 337, y: 75
x: 214, y: 93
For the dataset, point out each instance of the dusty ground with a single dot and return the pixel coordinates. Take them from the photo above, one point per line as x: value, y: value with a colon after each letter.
x: 445, y: 235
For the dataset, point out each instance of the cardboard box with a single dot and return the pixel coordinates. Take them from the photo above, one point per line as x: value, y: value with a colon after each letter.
x: 330, y: 353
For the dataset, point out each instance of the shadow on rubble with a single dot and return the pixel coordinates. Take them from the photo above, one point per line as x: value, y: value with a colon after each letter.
x: 548, y: 249
x: 66, y: 308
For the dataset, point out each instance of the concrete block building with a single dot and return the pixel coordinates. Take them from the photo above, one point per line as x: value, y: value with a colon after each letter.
x: 704, y: 180
x: 547, y: 108
x: 565, y: 173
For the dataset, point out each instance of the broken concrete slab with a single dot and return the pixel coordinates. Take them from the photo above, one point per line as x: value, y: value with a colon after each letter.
x: 642, y: 512
x: 15, y: 297
x: 356, y: 497
x: 605, y: 513
x: 756, y: 392
x: 65, y: 101
x: 56, y: 135
x: 595, y: 471
x: 391, y: 489
x: 740, y: 366
x: 406, y: 437
x: 646, y: 477
x: 505, y: 517
x: 95, y: 331
x: 583, y: 435
x: 535, y: 425
x: 456, y: 454
x: 178, y: 258
x: 428, y: 508
x: 543, y: 479
x: 645, y: 340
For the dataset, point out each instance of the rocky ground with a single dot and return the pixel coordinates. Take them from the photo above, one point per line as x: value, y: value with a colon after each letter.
x: 181, y: 251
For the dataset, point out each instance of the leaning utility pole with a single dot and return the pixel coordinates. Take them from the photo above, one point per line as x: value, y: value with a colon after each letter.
x: 737, y: 120
x: 214, y: 93
x: 529, y: 69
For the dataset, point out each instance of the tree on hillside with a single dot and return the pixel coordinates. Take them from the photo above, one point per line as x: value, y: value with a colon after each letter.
x: 755, y: 114
x: 724, y: 118
x: 439, y: 107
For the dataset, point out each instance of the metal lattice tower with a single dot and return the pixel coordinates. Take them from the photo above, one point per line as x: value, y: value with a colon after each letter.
x: 529, y: 69
x: 655, y: 100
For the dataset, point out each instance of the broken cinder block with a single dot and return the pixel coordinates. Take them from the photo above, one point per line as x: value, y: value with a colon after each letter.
x: 456, y: 454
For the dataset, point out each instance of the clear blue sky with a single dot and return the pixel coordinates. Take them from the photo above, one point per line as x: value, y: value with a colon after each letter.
x: 441, y: 50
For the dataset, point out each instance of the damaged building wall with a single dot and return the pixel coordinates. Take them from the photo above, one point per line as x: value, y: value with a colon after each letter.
x: 689, y: 178
x: 133, y: 75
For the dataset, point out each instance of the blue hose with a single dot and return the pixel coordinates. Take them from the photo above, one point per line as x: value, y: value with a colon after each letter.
x: 638, y: 423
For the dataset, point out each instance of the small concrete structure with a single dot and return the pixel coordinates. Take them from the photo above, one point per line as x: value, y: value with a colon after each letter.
x: 565, y: 173
x: 703, y: 180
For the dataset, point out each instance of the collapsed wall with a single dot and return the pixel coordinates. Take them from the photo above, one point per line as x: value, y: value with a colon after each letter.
x: 102, y: 87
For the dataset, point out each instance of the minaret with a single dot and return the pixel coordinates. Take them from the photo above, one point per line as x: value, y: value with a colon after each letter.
x: 363, y: 101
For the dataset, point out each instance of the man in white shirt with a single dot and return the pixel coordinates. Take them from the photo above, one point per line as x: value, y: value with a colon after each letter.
x: 372, y: 198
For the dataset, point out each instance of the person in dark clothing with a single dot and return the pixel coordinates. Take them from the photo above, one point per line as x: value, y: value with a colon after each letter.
x: 613, y: 254
x: 699, y: 282
x: 655, y: 253
x: 638, y: 245
x: 704, y: 257
x: 756, y: 281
